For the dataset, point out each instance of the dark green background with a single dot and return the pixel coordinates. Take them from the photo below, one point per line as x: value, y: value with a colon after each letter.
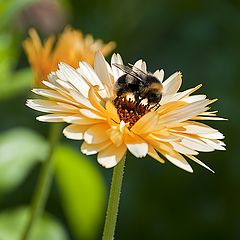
x: 201, y: 39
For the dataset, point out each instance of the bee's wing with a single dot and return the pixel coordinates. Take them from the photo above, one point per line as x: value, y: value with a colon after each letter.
x: 136, y: 69
x: 129, y: 71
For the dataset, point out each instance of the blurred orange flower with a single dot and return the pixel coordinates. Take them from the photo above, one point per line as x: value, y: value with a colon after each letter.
x: 71, y: 47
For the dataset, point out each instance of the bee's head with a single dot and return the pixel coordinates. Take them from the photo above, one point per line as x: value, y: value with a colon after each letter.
x: 154, y: 97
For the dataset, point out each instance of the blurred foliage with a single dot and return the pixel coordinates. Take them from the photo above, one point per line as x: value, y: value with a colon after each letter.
x: 19, y: 150
x: 9, y: 9
x: 12, y: 224
x: 82, y: 191
x: 11, y: 82
x: 200, y: 38
x: 20, y: 81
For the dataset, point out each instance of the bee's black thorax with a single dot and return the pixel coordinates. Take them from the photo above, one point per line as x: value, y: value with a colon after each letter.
x: 141, y: 85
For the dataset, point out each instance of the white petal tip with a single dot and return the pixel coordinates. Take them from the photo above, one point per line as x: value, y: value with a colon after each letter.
x: 88, y: 138
x: 86, y: 152
x: 138, y: 150
x: 107, y: 162
x: 180, y: 162
x: 72, y: 135
x: 41, y: 118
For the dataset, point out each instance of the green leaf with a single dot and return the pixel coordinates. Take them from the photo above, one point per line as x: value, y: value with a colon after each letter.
x: 11, y: 82
x: 15, y: 83
x: 19, y: 150
x: 82, y: 190
x: 8, y: 51
x: 13, y: 222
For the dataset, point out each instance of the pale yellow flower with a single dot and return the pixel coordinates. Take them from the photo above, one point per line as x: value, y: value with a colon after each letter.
x: 84, y: 98
x: 72, y: 46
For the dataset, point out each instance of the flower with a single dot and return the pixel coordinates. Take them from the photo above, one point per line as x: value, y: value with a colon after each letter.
x: 84, y: 97
x: 71, y: 47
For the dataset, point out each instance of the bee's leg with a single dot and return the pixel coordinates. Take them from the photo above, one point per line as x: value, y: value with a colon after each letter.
x: 148, y: 106
x: 137, y: 97
x: 153, y: 106
x: 137, y: 100
x: 116, y: 100
x: 119, y: 94
x: 158, y: 105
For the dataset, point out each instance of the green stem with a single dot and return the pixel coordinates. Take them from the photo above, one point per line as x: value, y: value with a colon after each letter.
x: 44, y: 182
x: 113, y: 202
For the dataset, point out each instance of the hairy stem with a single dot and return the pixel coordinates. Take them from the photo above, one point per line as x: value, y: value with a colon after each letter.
x: 113, y: 202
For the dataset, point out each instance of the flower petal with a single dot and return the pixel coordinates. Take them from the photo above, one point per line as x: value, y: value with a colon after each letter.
x: 163, y: 136
x: 153, y: 153
x: 101, y: 68
x: 172, y: 84
x: 167, y: 151
x: 91, y: 114
x: 110, y: 156
x: 140, y: 64
x: 116, y: 136
x: 89, y: 74
x: 96, y: 134
x: 179, y: 161
x: 166, y: 98
x: 208, y: 118
x: 116, y: 58
x: 182, y: 149
x: 75, y: 131
x: 199, y: 128
x: 90, y: 149
x: 183, y: 113
x: 69, y: 74
x: 95, y: 101
x: 159, y: 75
x: 214, y: 143
x: 194, y: 98
x: 82, y: 120
x: 137, y: 146
x: 112, y: 114
x: 50, y: 106
x: 200, y: 162
x: 196, y: 144
x: 53, y: 95
x: 53, y: 117
x: 146, y: 124
x: 215, y: 135
x: 212, y: 113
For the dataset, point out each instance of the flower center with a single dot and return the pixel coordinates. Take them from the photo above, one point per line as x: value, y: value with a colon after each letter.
x: 129, y: 111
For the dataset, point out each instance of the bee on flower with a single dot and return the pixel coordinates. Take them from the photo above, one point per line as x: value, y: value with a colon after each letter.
x: 110, y: 123
x: 71, y: 47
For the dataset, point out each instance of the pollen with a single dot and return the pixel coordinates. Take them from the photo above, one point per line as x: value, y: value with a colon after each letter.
x: 130, y: 111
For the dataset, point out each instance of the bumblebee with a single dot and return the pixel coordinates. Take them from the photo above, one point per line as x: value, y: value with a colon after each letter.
x: 142, y: 85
